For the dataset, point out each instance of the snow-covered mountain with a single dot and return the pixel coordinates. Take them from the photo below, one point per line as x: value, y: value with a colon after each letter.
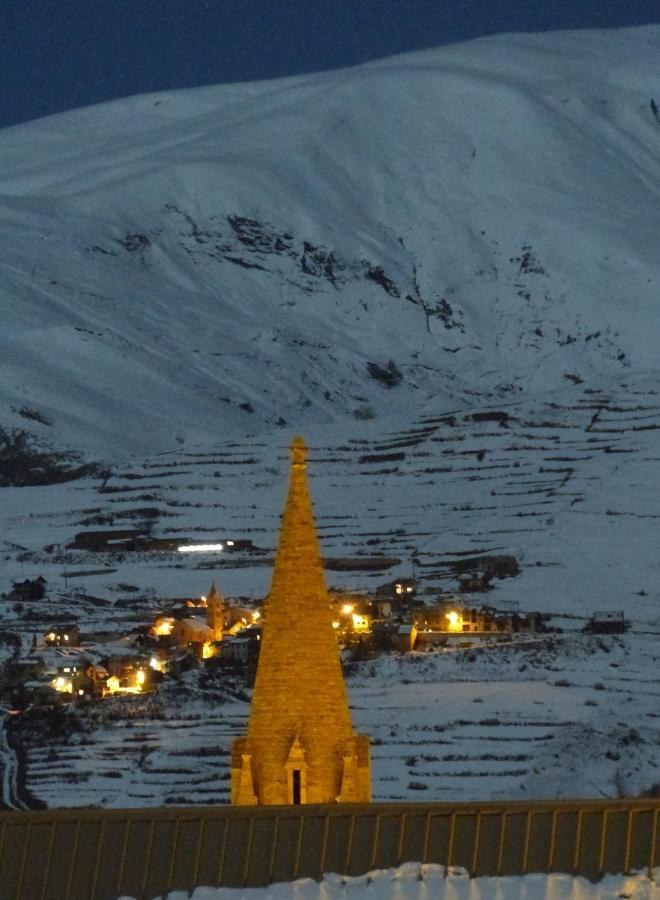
x: 477, y: 221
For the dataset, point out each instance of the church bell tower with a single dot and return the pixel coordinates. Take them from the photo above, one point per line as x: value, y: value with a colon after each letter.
x: 215, y: 612
x: 300, y: 745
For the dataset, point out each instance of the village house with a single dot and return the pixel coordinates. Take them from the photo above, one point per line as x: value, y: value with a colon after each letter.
x: 436, y: 624
x: 473, y: 582
x: 42, y: 693
x: 398, y: 592
x: 63, y: 636
x: 29, y: 590
x: 191, y: 630
x: 98, y: 677
x: 352, y: 614
x: 19, y: 671
x: 452, y: 617
x: 607, y: 622
x: 123, y: 665
x: 62, y: 677
x: 406, y: 637
x: 237, y: 618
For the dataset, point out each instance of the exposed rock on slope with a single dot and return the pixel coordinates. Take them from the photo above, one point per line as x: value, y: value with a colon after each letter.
x: 478, y: 219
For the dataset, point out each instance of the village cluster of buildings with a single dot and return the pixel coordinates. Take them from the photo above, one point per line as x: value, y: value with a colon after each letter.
x: 67, y: 665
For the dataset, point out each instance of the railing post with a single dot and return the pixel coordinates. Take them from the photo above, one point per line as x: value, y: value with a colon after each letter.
x: 402, y: 831
x: 374, y: 843
x: 629, y: 825
x: 427, y: 837
x: 296, y: 862
x: 475, y: 846
x: 72, y: 864
x: 578, y: 839
x: 500, y: 849
x: 21, y: 877
x: 349, y: 849
x: 603, y: 844
x: 124, y: 850
x: 198, y: 854
x: 450, y: 842
x: 97, y: 861
x: 553, y: 835
x: 324, y: 844
x: 175, y: 844
x: 248, y: 850
x: 223, y: 851
x: 147, y: 861
x: 49, y: 857
x: 528, y: 832
x: 273, y: 850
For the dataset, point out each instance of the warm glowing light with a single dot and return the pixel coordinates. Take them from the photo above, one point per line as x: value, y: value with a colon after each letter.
x: 80, y: 692
x: 398, y: 588
x: 455, y: 621
x: 112, y: 684
x: 51, y: 635
x: 360, y: 623
x: 200, y: 548
x: 335, y: 624
x: 66, y: 637
x: 256, y: 615
x: 208, y: 650
x: 347, y: 609
x: 156, y: 664
x: 163, y: 626
x: 230, y: 543
x: 140, y: 677
x: 62, y: 685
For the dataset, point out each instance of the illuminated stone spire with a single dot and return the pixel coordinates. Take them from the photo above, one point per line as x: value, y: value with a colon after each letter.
x: 300, y: 745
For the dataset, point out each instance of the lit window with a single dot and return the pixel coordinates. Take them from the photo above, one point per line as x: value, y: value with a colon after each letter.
x: 455, y: 621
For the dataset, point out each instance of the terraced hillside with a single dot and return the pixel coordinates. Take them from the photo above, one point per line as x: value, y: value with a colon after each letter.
x: 567, y: 487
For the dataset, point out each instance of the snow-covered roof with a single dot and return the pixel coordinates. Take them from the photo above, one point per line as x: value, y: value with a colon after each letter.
x: 193, y: 622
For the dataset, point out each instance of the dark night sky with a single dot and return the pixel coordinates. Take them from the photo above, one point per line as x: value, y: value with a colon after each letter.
x: 61, y: 54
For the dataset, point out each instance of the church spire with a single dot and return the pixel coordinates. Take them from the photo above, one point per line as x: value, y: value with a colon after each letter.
x: 215, y: 612
x: 300, y: 742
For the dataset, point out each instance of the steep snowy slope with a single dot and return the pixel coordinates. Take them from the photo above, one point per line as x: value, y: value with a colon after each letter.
x: 480, y: 219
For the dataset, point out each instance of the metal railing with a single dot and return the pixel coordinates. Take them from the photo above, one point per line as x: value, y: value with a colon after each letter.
x: 102, y: 854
